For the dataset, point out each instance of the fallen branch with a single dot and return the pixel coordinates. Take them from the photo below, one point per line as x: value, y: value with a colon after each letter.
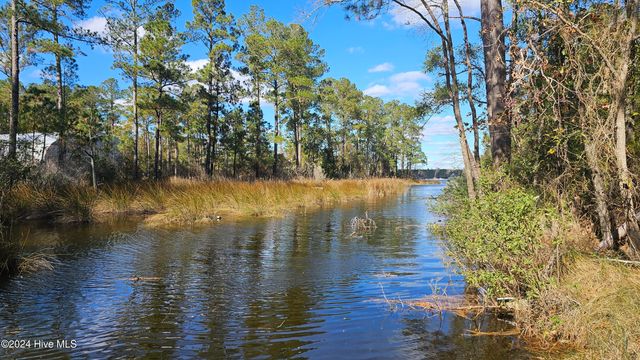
x: 627, y: 262
x: 512, y: 332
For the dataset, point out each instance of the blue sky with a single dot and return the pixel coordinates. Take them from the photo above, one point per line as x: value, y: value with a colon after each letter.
x: 382, y: 57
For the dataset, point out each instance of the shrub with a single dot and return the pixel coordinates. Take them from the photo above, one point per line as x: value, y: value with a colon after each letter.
x: 506, y: 241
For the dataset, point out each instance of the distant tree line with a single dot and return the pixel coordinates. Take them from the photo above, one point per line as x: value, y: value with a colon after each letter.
x: 171, y: 119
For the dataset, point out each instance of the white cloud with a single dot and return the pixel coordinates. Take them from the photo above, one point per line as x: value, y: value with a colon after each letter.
x: 142, y: 32
x: 409, y: 76
x: 388, y: 26
x: 408, y: 88
x: 198, y: 64
x: 123, y: 102
x: 384, y: 67
x: 377, y: 90
x: 355, y: 50
x: 405, y: 17
x: 97, y: 24
x: 401, y: 85
x: 440, y: 125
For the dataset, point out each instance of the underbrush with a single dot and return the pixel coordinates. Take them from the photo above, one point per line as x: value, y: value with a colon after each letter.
x: 510, y: 244
x: 186, y: 201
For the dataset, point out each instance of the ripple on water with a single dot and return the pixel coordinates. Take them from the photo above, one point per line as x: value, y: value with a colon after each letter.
x: 299, y: 286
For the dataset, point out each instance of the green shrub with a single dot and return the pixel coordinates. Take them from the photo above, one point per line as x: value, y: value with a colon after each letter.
x: 502, y: 241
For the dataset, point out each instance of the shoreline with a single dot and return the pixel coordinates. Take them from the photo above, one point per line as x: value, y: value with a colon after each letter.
x: 508, y: 245
x: 180, y: 201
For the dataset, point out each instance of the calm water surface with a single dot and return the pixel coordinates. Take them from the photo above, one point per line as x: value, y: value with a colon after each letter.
x: 297, y: 287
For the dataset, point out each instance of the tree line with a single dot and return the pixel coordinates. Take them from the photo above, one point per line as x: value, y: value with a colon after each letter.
x: 560, y: 87
x: 168, y: 118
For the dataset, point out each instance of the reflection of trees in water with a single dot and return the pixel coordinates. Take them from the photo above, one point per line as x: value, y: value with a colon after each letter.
x: 68, y: 302
x: 256, y: 288
x: 153, y: 317
x: 277, y: 326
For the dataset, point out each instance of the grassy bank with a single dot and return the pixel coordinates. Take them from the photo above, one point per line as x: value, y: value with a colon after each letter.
x: 511, y: 244
x: 187, y: 201
x: 593, y: 312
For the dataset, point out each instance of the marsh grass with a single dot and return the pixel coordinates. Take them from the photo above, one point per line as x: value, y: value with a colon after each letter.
x: 188, y: 201
x: 594, y: 311
x: 34, y: 262
x: 64, y: 203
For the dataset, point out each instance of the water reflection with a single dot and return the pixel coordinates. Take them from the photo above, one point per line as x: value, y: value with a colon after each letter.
x: 297, y: 287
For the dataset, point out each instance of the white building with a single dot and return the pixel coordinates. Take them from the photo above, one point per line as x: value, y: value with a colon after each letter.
x: 32, y: 147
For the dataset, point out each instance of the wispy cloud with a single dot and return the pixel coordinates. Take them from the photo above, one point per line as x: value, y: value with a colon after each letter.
x: 409, y: 76
x: 355, y: 50
x: 377, y: 90
x: 440, y: 125
x: 384, y: 67
x: 408, y: 18
x: 400, y: 85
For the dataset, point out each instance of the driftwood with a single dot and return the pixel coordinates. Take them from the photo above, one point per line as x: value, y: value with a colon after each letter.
x: 626, y: 262
x: 512, y: 332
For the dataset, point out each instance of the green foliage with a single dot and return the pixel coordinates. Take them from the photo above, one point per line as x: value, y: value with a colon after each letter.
x: 500, y: 241
x: 172, y: 120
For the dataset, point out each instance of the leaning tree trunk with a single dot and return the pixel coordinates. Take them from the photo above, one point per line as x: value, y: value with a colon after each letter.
x: 470, y: 100
x: 471, y: 172
x: 495, y: 78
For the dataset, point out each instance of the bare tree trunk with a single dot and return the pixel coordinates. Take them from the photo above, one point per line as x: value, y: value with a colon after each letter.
x: 495, y: 78
x: 148, y: 148
x: 156, y: 160
x: 470, y: 170
x: 175, y: 165
x: 33, y: 145
x: 44, y: 145
x: 168, y: 146
x: 602, y: 210
x: 94, y: 181
x: 58, y: 65
x: 216, y: 125
x: 276, y: 125
x: 188, y: 150
x: 15, y: 82
x: 298, y: 145
x: 209, y: 154
x: 472, y: 106
x: 258, y: 133
x: 235, y: 156
x: 136, y: 171
x: 618, y: 105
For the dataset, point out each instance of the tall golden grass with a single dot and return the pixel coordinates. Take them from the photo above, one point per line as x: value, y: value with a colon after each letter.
x: 594, y: 310
x: 190, y: 201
